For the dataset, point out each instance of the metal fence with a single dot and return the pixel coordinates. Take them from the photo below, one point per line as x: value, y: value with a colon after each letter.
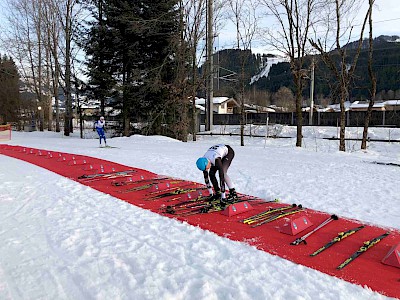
x: 353, y: 118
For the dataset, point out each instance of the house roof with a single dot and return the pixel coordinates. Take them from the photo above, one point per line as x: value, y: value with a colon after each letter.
x: 364, y: 104
x: 336, y: 107
x: 392, y: 102
x: 216, y: 100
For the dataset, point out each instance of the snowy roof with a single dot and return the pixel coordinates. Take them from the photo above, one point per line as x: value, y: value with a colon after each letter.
x: 201, y: 107
x: 216, y: 100
x: 336, y: 107
x: 392, y: 102
x: 364, y: 104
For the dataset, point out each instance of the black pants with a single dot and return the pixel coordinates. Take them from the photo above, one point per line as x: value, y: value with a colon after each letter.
x: 226, y: 162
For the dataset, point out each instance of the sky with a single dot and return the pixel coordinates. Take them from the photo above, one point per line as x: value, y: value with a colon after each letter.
x: 386, y: 21
x: 63, y: 240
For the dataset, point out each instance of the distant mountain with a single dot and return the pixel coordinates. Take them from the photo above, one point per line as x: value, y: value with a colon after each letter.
x: 380, y: 40
x: 386, y: 65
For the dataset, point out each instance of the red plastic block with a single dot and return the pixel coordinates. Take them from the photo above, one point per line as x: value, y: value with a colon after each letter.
x: 41, y: 153
x: 77, y: 162
x: 196, y: 194
x: 392, y: 258
x: 31, y: 151
x: 295, y: 226
x: 237, y: 208
x: 127, y: 180
x: 53, y: 155
x: 160, y: 186
x: 100, y: 168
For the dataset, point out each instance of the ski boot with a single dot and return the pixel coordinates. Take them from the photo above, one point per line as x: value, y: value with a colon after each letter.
x: 214, y: 197
x: 232, y: 197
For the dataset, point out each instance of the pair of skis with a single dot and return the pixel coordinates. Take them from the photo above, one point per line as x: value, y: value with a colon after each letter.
x: 175, y: 191
x: 276, y: 215
x: 146, y: 186
x: 130, y: 181
x: 364, y: 248
x: 108, y: 175
x: 265, y: 214
x: 204, y: 205
x: 342, y: 235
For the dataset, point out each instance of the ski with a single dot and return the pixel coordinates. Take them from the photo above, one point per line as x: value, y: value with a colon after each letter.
x: 297, y: 209
x: 205, y: 206
x: 109, y: 147
x: 105, y: 175
x: 175, y: 192
x: 129, y: 182
x: 145, y: 186
x: 341, y: 236
x: 186, y: 205
x: 367, y: 245
x: 261, y: 215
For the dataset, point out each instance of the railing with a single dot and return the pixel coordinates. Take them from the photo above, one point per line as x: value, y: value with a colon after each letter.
x: 353, y: 118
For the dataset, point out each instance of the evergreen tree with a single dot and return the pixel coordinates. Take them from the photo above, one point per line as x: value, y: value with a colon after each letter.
x: 9, y: 90
x: 142, y: 34
x: 97, y: 45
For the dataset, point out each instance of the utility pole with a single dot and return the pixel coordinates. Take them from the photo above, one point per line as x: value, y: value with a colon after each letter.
x: 210, y: 75
x: 312, y: 92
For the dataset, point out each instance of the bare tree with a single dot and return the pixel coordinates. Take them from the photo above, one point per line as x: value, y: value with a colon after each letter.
x: 344, y: 72
x: 372, y: 77
x: 193, y: 31
x: 53, y: 28
x: 24, y: 39
x: 68, y: 13
x: 284, y: 98
x: 243, y: 14
x: 34, y: 36
x: 295, y: 19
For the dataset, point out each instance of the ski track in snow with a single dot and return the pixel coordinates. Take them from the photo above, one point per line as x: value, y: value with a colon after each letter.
x: 63, y: 240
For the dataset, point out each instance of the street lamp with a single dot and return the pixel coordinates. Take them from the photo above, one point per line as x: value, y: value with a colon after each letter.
x: 40, y: 118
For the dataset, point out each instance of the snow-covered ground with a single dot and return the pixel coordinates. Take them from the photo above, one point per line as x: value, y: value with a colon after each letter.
x: 63, y: 240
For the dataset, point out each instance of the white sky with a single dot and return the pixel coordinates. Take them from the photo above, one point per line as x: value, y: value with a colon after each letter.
x: 386, y: 21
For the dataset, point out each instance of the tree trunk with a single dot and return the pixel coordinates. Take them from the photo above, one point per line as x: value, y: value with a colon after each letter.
x: 372, y: 77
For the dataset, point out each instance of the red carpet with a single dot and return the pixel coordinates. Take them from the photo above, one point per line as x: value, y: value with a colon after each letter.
x: 366, y: 270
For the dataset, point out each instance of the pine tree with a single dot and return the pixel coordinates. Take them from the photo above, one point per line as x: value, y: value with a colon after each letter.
x: 131, y: 53
x: 9, y: 90
x: 97, y: 42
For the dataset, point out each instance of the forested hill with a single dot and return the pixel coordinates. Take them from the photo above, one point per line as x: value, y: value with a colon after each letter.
x: 386, y: 65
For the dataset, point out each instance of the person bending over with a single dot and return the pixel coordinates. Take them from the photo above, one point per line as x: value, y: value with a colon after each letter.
x: 218, y: 158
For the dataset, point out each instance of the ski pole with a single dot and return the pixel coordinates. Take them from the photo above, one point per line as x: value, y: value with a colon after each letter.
x: 303, y: 238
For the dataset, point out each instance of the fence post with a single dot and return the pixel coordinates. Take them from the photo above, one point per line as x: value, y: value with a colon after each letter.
x: 383, y: 118
x: 266, y: 133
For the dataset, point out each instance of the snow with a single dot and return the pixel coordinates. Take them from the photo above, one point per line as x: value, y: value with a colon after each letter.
x: 265, y: 71
x: 63, y: 240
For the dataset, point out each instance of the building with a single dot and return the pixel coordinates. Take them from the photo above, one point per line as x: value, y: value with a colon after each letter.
x: 221, y: 105
x: 392, y: 105
x: 363, y: 106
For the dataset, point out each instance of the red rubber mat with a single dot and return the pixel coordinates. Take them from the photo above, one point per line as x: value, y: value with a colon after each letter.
x: 133, y: 185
